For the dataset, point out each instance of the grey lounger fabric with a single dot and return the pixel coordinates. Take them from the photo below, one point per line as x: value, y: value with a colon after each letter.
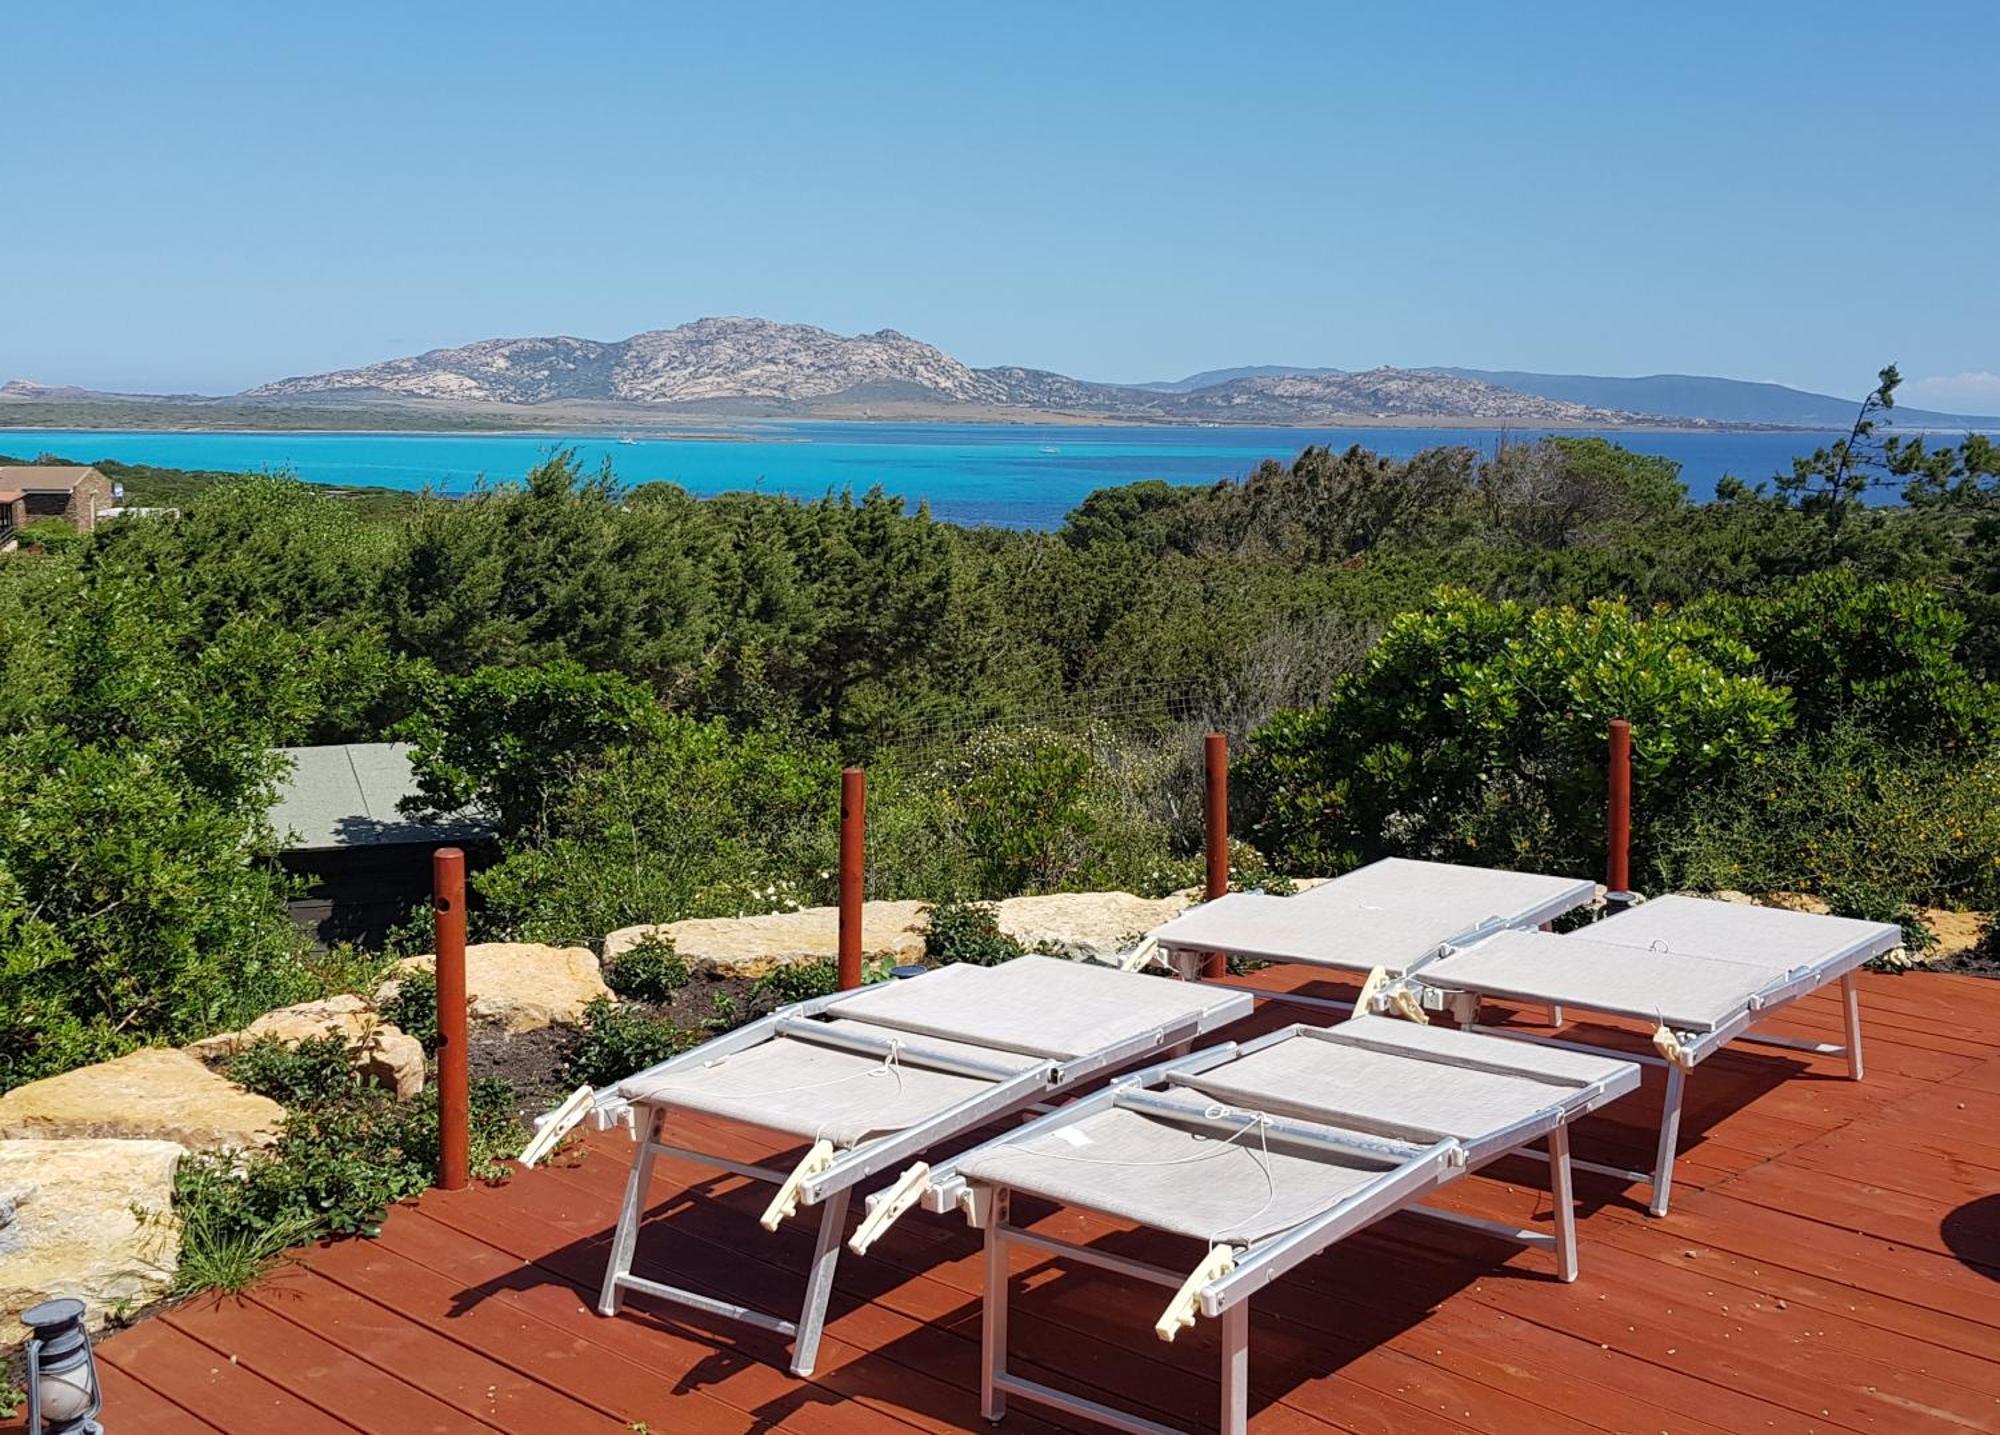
x: 1394, y: 913
x: 1376, y: 1074
x: 1770, y: 937
x: 807, y: 1090
x: 1371, y: 1078
x: 1038, y: 1006
x: 1691, y: 963
x: 1194, y: 1183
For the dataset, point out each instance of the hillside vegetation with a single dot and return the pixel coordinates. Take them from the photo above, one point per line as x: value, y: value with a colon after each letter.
x: 654, y: 693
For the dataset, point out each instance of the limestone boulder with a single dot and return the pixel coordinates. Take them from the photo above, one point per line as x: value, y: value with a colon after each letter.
x: 525, y: 986
x: 1797, y: 902
x: 1958, y: 933
x: 153, y: 1094
x: 753, y: 946
x: 89, y: 1219
x: 381, y: 1051
x: 1096, y: 925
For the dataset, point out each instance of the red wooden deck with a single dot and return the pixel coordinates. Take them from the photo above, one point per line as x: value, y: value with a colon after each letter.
x: 1832, y: 1263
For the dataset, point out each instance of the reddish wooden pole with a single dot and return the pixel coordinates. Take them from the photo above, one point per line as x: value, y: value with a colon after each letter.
x: 853, y: 856
x: 453, y: 1075
x: 1215, y: 844
x: 1618, y: 843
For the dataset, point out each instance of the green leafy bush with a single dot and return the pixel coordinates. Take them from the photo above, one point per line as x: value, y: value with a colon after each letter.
x: 617, y: 1041
x: 1016, y: 810
x: 966, y: 932
x: 1475, y: 732
x: 649, y: 970
x: 412, y: 1007
x: 1871, y: 830
x: 696, y: 821
x: 795, y: 982
x: 342, y: 1158
x: 311, y: 1072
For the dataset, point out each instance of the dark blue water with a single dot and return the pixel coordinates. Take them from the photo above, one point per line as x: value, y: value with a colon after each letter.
x: 1017, y: 475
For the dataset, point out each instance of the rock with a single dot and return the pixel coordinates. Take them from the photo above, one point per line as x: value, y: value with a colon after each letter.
x: 383, y: 1053
x: 524, y: 986
x: 1957, y: 933
x: 1086, y: 924
x: 154, y: 1093
x: 752, y: 946
x: 69, y: 1225
x: 1797, y: 902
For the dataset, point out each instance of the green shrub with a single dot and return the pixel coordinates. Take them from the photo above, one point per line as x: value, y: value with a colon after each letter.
x: 1017, y: 810
x: 795, y: 982
x: 413, y: 1007
x: 1873, y: 831
x: 342, y: 1158
x: 1886, y: 656
x: 695, y: 821
x: 650, y: 970
x: 618, y: 1041
x: 967, y: 932
x: 1475, y: 732
x: 309, y: 1073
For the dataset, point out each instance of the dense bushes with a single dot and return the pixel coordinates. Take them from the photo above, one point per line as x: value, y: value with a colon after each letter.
x: 1475, y: 732
x: 653, y: 695
x: 1827, y: 737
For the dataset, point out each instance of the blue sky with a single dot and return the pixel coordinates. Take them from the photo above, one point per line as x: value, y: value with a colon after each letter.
x: 205, y: 197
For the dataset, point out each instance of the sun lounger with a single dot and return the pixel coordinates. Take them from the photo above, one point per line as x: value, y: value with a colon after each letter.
x: 1395, y: 915
x: 870, y: 1078
x: 1703, y: 971
x: 1265, y: 1155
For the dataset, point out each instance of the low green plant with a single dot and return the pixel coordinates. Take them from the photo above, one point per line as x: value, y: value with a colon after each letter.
x: 617, y: 1041
x: 219, y: 1251
x: 413, y: 1006
x: 966, y: 932
x: 650, y: 970
x: 311, y: 1072
x: 342, y: 1158
x: 797, y: 982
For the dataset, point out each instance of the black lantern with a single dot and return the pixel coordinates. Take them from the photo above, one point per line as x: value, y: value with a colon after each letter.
x: 63, y: 1396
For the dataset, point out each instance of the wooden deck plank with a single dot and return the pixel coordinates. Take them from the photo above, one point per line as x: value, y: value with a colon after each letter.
x: 458, y: 1374
x: 1809, y: 1278
x: 196, y: 1378
x: 289, y: 1356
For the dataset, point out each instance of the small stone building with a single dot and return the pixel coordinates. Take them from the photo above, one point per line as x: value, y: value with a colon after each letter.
x: 341, y: 831
x: 74, y: 494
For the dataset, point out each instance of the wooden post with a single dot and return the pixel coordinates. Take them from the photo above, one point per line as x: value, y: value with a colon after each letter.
x: 1215, y: 844
x: 853, y: 858
x: 453, y: 1074
x: 1618, y: 836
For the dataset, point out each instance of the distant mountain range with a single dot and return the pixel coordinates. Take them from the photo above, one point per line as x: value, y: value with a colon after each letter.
x: 732, y: 367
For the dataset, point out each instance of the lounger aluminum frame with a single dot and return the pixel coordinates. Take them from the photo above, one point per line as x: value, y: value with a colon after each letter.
x: 1705, y: 971
x: 1396, y: 915
x: 875, y: 1023
x: 1400, y: 1161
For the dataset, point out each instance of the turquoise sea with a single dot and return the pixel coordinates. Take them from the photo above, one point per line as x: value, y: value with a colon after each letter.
x: 1020, y: 476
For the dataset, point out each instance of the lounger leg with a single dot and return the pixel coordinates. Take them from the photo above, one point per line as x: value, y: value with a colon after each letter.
x: 819, y: 1286
x: 1670, y: 1137
x: 637, y: 1187
x: 1236, y: 1368
x: 993, y: 1321
x: 1850, y: 994
x: 1563, y: 1194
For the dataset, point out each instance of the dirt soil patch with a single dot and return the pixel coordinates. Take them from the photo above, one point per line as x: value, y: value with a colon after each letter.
x: 536, y: 1063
